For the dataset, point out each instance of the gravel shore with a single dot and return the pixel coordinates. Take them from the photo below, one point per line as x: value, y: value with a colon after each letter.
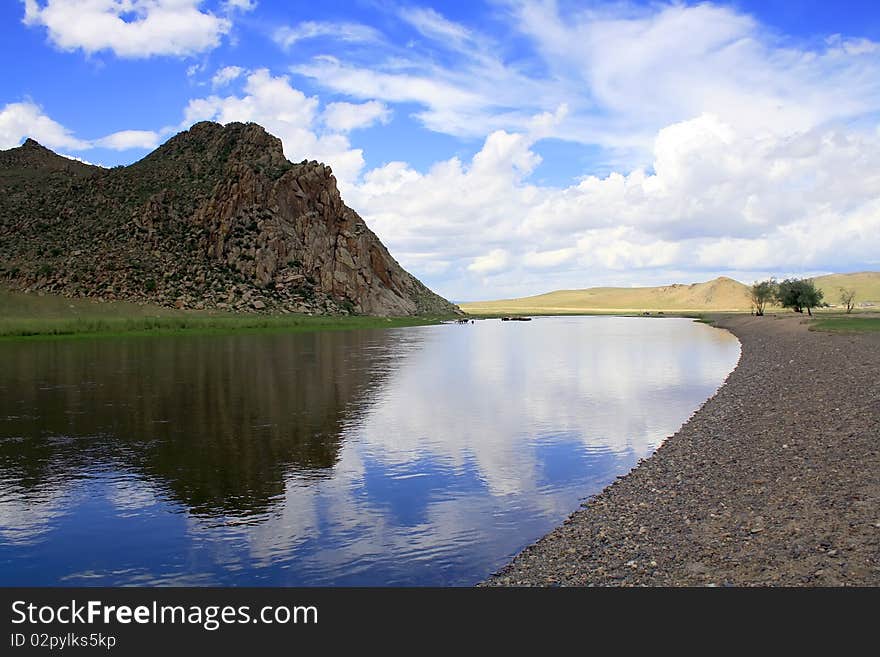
x: 774, y: 481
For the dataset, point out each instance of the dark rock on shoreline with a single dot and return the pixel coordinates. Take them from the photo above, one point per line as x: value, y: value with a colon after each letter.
x: 774, y: 481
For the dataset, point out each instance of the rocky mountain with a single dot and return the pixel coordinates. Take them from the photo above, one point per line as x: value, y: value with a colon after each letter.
x: 214, y: 218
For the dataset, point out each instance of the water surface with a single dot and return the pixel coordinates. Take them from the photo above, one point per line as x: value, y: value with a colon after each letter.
x: 425, y: 455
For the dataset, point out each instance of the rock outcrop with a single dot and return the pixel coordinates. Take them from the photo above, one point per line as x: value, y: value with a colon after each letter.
x: 214, y: 218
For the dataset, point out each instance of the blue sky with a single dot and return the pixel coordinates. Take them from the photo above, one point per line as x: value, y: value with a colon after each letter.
x: 507, y: 147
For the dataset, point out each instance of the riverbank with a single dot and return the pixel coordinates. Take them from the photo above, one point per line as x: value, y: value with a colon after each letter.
x: 32, y: 317
x: 774, y: 481
x: 164, y: 326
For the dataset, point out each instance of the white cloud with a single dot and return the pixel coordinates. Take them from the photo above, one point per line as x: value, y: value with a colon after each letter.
x: 433, y: 25
x: 84, y: 161
x: 345, y: 117
x: 20, y: 120
x: 547, y: 259
x: 241, y: 5
x: 128, y: 139
x: 495, y: 260
x: 226, y: 75
x: 26, y: 119
x: 717, y: 201
x: 134, y: 28
x: 454, y: 103
x: 287, y: 113
x: 288, y: 36
x: 624, y: 72
x: 194, y: 69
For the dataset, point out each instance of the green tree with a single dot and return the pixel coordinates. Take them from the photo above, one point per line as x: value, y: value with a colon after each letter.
x: 848, y: 298
x: 798, y: 294
x: 762, y: 293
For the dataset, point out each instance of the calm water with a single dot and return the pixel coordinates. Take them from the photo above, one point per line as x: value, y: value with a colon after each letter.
x: 408, y: 456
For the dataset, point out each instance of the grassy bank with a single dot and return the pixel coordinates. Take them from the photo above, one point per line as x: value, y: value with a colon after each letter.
x: 28, y: 317
x: 847, y: 324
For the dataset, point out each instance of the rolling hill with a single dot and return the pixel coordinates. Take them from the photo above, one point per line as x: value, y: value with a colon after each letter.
x: 721, y: 294
x: 866, y: 284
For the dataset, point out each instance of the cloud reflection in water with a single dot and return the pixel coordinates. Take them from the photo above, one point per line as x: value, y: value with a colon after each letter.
x: 410, y: 456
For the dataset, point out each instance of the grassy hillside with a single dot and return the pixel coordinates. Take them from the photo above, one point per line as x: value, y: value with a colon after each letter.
x: 19, y: 306
x: 866, y: 284
x: 720, y: 294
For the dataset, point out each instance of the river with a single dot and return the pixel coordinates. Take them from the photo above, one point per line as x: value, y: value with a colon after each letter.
x: 413, y: 456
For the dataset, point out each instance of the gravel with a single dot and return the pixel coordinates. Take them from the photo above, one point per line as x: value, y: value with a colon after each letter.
x: 774, y: 481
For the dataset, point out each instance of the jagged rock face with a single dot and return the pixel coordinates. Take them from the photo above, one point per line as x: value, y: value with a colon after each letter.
x: 214, y: 218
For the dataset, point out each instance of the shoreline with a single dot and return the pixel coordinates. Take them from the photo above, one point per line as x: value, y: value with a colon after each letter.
x: 26, y: 317
x: 775, y: 480
x: 22, y: 331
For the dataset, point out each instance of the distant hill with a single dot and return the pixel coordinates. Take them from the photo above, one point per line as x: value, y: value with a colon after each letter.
x: 215, y: 218
x: 866, y: 284
x: 719, y: 295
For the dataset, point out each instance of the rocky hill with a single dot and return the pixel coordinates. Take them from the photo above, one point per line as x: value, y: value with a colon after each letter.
x: 214, y: 218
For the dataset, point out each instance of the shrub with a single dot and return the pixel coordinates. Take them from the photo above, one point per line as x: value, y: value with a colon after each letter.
x: 762, y: 293
x: 799, y: 294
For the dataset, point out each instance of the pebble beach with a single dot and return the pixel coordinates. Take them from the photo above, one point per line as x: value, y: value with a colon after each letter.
x: 774, y: 481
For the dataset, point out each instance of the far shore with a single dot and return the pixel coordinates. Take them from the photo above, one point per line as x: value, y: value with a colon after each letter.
x: 774, y: 481
x: 30, y: 329
x: 52, y: 317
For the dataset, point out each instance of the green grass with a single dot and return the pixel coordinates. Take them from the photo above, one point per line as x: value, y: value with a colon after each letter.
x: 846, y: 324
x: 28, y: 317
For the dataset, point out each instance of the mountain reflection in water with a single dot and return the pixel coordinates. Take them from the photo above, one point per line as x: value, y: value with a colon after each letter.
x: 408, y: 456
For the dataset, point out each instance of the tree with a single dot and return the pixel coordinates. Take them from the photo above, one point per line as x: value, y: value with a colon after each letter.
x: 762, y: 293
x: 798, y: 294
x: 848, y: 298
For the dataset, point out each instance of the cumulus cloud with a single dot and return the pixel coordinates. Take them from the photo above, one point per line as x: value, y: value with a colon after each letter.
x: 26, y: 119
x: 345, y: 117
x: 287, y: 113
x: 718, y: 200
x: 135, y: 28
